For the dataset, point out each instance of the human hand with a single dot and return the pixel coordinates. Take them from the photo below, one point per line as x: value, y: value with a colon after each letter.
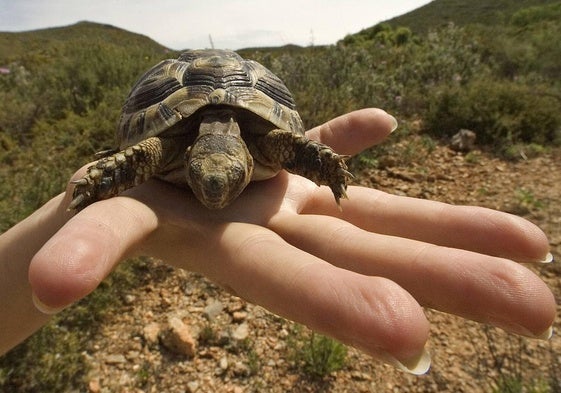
x: 360, y: 275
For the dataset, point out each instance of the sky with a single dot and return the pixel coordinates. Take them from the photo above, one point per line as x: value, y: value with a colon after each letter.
x: 230, y: 24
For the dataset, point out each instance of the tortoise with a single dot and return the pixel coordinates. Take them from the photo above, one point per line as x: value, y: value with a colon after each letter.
x: 213, y: 121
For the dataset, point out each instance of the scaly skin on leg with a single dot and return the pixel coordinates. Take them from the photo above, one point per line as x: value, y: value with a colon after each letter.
x: 304, y: 157
x: 118, y: 172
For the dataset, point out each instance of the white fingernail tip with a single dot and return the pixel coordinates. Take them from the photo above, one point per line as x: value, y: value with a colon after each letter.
x: 394, y: 124
x: 548, y: 258
x: 546, y: 335
x: 39, y: 305
x: 417, y: 366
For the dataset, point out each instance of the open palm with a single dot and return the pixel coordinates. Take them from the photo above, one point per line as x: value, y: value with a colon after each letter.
x: 360, y: 274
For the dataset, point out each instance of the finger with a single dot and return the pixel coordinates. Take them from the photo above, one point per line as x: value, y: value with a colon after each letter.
x: 355, y: 131
x: 472, y: 228
x: 83, y: 252
x: 371, y: 313
x: 19, y: 316
x: 471, y: 285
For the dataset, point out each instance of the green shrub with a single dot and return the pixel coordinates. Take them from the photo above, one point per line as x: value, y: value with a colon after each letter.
x: 316, y: 355
x: 502, y: 113
x: 536, y: 14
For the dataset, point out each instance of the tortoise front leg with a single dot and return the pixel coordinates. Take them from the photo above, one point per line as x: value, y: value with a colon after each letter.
x: 304, y: 157
x: 118, y: 172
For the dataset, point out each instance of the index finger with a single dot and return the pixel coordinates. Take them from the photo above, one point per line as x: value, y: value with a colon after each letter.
x: 353, y: 132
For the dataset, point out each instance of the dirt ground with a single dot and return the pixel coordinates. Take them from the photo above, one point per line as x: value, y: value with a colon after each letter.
x: 240, y: 347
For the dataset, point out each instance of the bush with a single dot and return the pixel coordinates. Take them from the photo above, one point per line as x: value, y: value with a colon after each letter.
x: 502, y: 113
x: 316, y: 355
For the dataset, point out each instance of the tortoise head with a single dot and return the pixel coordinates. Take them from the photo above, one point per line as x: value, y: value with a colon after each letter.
x: 218, y: 164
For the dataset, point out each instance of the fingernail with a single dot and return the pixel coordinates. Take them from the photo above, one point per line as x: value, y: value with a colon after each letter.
x: 39, y: 305
x: 417, y: 365
x: 546, y: 335
x: 394, y: 123
x: 523, y: 331
x: 548, y: 258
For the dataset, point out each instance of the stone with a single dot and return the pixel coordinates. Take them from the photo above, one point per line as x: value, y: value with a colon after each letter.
x: 241, y: 332
x: 115, y: 359
x: 132, y: 355
x: 94, y: 386
x: 130, y: 299
x: 241, y: 369
x: 192, y: 386
x: 151, y: 332
x: 239, y: 316
x: 463, y: 140
x: 178, y: 339
x: 223, y: 363
x: 213, y: 309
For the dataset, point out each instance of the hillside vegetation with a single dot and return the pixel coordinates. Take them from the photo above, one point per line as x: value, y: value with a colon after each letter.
x: 61, y: 91
x: 14, y: 46
x: 439, y: 13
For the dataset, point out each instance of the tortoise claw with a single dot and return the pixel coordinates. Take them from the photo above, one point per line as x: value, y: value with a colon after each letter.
x: 77, y: 201
x: 343, y: 190
x: 348, y: 174
x: 343, y: 195
x: 80, y: 182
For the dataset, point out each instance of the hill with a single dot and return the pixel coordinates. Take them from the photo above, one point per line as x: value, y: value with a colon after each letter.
x: 462, y: 13
x: 439, y: 13
x: 14, y: 45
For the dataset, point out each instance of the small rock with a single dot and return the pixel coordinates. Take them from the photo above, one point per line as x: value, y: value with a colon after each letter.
x: 94, y: 386
x: 360, y: 376
x: 177, y: 338
x: 132, y: 355
x: 129, y: 299
x: 151, y: 333
x: 239, y: 316
x: 463, y: 140
x: 192, y: 386
x: 241, y: 332
x: 115, y: 359
x: 223, y: 363
x: 284, y: 333
x: 212, y: 310
x: 236, y: 306
x: 241, y: 369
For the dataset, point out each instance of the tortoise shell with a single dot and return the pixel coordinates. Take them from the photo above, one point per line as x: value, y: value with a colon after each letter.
x: 174, y: 90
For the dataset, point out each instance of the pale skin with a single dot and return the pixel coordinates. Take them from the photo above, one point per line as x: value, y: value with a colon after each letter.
x: 360, y: 275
